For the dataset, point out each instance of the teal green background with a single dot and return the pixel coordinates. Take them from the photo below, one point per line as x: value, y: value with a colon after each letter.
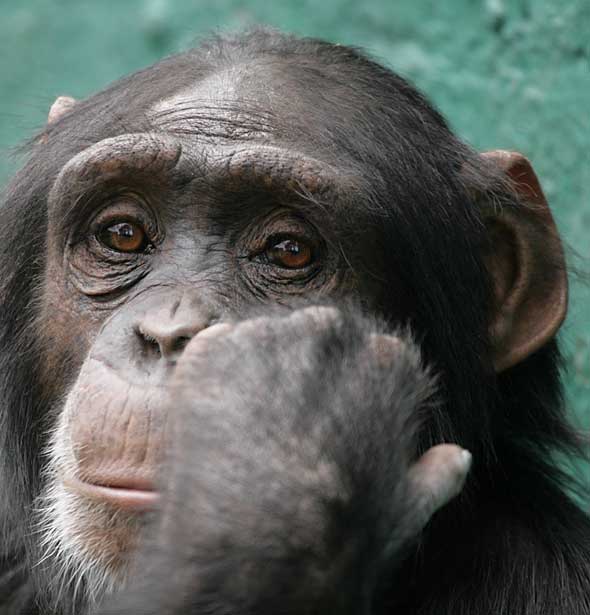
x: 507, y: 74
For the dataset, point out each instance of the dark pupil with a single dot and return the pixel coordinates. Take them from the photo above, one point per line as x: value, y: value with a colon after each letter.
x: 124, y: 237
x: 124, y: 230
x: 290, y: 253
x: 290, y: 246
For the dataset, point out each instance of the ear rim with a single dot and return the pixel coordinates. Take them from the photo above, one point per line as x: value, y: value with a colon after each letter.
x: 510, y: 346
x: 61, y: 105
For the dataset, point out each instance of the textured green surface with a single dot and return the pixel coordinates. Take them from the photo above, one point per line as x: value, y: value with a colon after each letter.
x: 510, y: 74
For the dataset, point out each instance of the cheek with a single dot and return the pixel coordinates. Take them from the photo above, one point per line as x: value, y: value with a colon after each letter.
x: 115, y: 427
x: 64, y: 333
x: 109, y: 431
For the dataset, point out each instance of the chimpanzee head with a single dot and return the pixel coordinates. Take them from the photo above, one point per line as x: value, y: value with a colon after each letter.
x: 256, y: 170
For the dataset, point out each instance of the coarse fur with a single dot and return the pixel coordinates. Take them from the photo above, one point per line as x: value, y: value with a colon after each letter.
x: 514, y: 542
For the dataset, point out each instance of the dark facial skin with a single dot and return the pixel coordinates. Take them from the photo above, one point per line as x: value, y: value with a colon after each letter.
x: 253, y: 172
x: 155, y: 237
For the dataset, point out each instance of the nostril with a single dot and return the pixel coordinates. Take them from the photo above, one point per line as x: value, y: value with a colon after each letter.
x: 149, y: 344
x: 179, y: 344
x: 167, y: 344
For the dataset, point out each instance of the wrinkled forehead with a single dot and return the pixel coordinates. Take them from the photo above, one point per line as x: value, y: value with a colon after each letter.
x: 264, y: 101
x: 217, y: 106
x: 238, y: 129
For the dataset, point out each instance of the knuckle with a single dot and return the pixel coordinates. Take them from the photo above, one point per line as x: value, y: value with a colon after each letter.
x: 317, y: 317
x: 385, y: 348
x: 214, y: 331
x: 252, y: 327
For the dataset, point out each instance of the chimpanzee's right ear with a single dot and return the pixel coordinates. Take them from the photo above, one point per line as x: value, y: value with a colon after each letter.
x: 527, y: 265
x: 60, y: 107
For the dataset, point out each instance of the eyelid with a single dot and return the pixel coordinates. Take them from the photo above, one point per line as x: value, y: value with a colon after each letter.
x: 283, y: 236
x: 101, y: 225
x: 126, y: 204
x: 260, y: 254
x: 277, y: 237
x: 117, y: 208
x: 280, y: 223
x: 125, y: 208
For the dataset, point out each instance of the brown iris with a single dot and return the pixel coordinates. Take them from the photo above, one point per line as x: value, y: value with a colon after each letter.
x: 124, y: 237
x: 289, y: 253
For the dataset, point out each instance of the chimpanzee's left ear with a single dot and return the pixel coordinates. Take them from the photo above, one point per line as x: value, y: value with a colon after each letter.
x: 527, y: 264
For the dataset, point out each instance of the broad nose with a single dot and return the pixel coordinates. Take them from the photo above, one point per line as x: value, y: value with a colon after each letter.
x: 165, y: 332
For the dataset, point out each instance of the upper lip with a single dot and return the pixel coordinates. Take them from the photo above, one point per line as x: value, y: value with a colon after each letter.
x: 133, y: 494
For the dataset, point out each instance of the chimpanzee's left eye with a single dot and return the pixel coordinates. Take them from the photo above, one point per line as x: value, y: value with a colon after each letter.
x: 289, y: 252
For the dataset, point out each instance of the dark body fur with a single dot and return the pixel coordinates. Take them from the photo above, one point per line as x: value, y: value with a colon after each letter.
x: 514, y: 543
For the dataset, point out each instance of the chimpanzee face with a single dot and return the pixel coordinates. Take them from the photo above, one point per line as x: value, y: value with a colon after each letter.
x: 153, y: 238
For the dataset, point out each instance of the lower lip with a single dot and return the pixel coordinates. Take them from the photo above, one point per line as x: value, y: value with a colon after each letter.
x: 134, y: 500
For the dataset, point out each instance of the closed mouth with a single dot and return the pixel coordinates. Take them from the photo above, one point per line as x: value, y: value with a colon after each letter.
x: 125, y: 497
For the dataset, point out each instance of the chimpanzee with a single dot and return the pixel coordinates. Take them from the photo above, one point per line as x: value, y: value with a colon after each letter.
x: 254, y: 171
x: 301, y: 496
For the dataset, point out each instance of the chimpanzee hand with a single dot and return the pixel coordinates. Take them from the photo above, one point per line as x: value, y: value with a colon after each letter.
x: 311, y: 372
x: 292, y: 483
x: 293, y: 477
x: 316, y: 382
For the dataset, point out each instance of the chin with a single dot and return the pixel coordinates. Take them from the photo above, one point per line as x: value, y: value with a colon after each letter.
x: 85, y: 543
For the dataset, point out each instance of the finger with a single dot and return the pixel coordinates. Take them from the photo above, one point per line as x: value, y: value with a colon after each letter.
x: 437, y: 477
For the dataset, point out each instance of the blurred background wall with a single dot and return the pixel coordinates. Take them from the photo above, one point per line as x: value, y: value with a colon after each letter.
x: 513, y: 74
